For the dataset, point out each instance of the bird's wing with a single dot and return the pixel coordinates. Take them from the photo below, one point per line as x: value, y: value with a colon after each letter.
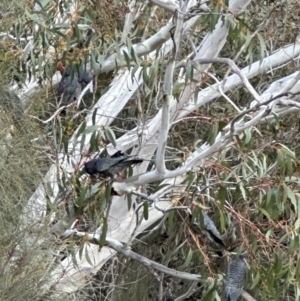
x: 122, y: 164
x: 84, y: 77
x: 210, y: 227
x: 103, y: 164
x: 118, y: 154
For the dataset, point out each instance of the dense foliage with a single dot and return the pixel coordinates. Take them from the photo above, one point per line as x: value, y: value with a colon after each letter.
x: 249, y: 185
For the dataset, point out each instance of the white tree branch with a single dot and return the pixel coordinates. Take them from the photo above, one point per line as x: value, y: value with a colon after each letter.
x: 170, y: 5
x: 122, y: 249
x: 236, y: 70
x: 282, y: 55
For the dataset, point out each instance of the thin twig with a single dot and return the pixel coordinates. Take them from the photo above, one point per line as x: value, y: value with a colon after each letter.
x: 89, y: 86
x: 235, y: 69
x: 188, y: 293
x: 119, y: 247
x: 257, y: 106
x: 221, y: 91
x: 53, y: 116
x: 155, y: 201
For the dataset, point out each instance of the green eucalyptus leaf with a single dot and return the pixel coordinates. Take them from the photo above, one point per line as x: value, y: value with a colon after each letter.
x: 146, y: 210
x: 110, y: 135
x: 103, y: 233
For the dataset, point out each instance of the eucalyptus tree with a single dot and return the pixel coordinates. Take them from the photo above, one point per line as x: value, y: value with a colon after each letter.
x: 199, y: 91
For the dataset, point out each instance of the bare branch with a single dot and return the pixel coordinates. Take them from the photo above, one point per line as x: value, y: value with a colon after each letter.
x: 90, y: 86
x: 235, y: 69
x: 170, y: 5
x: 222, y: 93
x: 291, y: 84
x: 57, y: 112
x: 119, y: 247
x: 65, y: 223
x: 265, y: 111
x: 282, y: 55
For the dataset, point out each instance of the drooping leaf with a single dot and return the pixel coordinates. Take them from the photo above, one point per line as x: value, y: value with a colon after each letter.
x: 103, y: 233
x: 129, y: 201
x: 290, y: 194
x: 94, y: 116
x: 87, y: 257
x: 127, y: 59
x: 210, y: 294
x: 110, y: 135
x: 187, y: 261
x: 171, y: 219
x: 262, y: 45
x: 255, y: 281
x: 80, y: 130
x: 90, y: 129
x: 82, y: 142
x: 146, y: 210
x: 80, y: 252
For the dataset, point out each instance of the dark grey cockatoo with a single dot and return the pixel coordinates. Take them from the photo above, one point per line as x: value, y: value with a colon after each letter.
x: 72, y: 83
x: 110, y: 166
x: 235, y: 278
x: 212, y: 232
